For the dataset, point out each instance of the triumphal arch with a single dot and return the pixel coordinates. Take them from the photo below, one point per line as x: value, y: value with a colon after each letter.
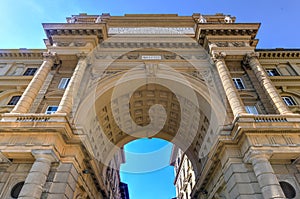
x: 196, y: 81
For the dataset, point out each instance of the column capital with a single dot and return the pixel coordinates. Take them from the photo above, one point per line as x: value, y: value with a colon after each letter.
x: 253, y: 155
x: 81, y: 55
x: 249, y: 56
x: 218, y: 56
x: 50, y: 56
x: 45, y: 154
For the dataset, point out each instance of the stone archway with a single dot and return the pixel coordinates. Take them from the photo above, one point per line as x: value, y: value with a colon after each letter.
x: 201, y: 115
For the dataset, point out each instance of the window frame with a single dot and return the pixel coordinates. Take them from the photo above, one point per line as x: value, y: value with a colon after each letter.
x: 49, y: 112
x: 269, y: 71
x: 288, y: 99
x: 64, y: 82
x: 249, y: 109
x: 238, y: 85
x: 29, y: 71
x: 14, y: 100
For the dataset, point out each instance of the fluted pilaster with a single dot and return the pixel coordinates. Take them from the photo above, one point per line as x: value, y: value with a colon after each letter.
x: 35, y: 85
x: 266, y: 83
x: 233, y: 97
x: 66, y: 103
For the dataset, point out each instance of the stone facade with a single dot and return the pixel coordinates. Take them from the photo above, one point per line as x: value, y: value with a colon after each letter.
x: 184, y: 173
x: 67, y: 110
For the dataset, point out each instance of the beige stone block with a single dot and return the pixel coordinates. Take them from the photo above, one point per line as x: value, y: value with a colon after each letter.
x: 31, y: 190
x: 69, y: 192
x: 12, y: 168
x: 237, y: 178
x: 273, y: 191
x: 252, y: 177
x: 234, y: 168
x: 24, y: 167
x: 280, y: 169
x: 247, y: 197
x: 58, y: 188
x: 292, y: 169
x: 241, y: 189
x: 57, y: 196
x: 263, y: 167
x: 267, y: 180
x: 74, y: 172
x: 64, y: 167
x: 4, y: 177
x: 1, y: 186
x: 36, y: 178
x: 256, y: 187
x: 42, y: 167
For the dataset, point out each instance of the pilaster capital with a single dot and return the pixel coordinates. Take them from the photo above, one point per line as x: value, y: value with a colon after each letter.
x: 255, y: 155
x: 50, y: 56
x: 47, y: 154
x: 217, y: 56
x: 81, y: 55
x: 250, y: 56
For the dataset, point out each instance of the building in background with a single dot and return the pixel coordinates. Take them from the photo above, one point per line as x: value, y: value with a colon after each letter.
x: 124, y: 190
x: 233, y: 109
x: 184, y: 173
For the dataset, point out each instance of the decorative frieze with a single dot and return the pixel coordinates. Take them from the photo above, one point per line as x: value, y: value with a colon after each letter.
x: 150, y: 45
x: 288, y: 54
x: 151, y: 30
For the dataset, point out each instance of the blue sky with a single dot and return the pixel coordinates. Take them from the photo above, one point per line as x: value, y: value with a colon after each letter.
x: 21, y: 19
x: 21, y: 27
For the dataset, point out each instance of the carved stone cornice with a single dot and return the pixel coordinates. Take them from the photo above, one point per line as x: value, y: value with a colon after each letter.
x: 228, y: 29
x: 19, y: 54
x: 71, y: 29
x: 283, y: 54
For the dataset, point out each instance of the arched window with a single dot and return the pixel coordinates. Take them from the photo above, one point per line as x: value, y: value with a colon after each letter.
x: 15, y: 191
x: 288, y: 190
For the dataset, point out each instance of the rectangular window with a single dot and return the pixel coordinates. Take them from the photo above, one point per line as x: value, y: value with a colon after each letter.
x: 14, y: 100
x: 251, y: 110
x: 289, y: 101
x: 30, y: 71
x: 272, y: 72
x: 51, y: 109
x: 63, y: 83
x: 238, y: 83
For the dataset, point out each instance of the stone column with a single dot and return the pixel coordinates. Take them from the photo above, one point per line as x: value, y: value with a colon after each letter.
x: 66, y: 103
x: 35, y: 85
x: 236, y: 175
x: 266, y: 83
x: 264, y: 173
x: 233, y: 97
x: 38, y: 173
